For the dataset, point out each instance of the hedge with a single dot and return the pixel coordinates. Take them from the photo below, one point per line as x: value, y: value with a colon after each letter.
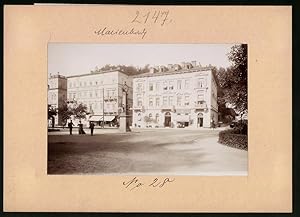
x: 232, y: 139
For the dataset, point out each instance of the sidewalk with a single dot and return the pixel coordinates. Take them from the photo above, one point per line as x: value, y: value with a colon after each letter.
x: 66, y: 131
x: 98, y: 131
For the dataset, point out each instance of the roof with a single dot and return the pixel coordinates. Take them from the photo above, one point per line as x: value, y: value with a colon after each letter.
x: 173, y: 72
x: 95, y: 73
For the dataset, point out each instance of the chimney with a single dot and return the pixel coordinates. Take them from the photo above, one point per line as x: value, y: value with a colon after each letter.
x: 189, y: 65
x: 194, y: 63
x: 177, y: 67
x: 161, y: 68
x: 152, y: 70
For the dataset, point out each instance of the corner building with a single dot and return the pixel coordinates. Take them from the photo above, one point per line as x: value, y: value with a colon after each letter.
x: 177, y: 96
x: 100, y: 91
x: 57, y: 94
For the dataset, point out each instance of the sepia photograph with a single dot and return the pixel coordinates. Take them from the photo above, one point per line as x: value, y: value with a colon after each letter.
x: 196, y: 110
x: 147, y: 109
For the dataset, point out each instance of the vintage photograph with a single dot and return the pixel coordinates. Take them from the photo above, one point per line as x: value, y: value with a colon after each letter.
x: 148, y: 109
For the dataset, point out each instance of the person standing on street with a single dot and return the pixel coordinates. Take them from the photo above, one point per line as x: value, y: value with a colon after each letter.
x: 92, y: 125
x: 70, y: 125
x: 213, y: 124
x: 80, y: 128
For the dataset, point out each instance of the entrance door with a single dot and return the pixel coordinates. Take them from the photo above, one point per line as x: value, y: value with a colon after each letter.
x: 168, y: 119
x: 200, y: 120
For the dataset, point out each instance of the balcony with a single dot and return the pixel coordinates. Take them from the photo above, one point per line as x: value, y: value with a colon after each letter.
x: 138, y: 108
x: 110, y: 98
x: 200, y: 105
x: 165, y: 108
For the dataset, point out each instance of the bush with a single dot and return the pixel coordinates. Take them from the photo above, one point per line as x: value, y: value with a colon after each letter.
x: 241, y: 127
x: 233, y: 139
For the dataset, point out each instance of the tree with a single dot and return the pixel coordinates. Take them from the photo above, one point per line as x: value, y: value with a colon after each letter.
x: 147, y: 119
x: 65, y: 113
x: 234, y: 80
x: 80, y: 111
x: 51, y: 113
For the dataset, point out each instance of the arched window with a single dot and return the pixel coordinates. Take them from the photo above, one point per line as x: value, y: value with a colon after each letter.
x: 139, y: 117
x: 168, y: 114
x: 150, y: 115
x: 156, y: 117
x: 200, y: 115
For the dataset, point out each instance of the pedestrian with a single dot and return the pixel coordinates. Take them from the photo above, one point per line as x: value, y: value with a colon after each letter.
x: 92, y: 125
x: 213, y: 124
x: 70, y: 125
x: 80, y: 128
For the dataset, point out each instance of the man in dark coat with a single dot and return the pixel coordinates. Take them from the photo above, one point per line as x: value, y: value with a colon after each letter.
x: 92, y: 125
x: 70, y: 125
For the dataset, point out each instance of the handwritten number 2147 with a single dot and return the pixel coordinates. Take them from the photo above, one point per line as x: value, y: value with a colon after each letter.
x: 157, y: 16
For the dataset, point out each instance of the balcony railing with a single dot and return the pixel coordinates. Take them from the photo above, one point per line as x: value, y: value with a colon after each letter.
x: 110, y: 98
x: 138, y: 107
x: 200, y: 105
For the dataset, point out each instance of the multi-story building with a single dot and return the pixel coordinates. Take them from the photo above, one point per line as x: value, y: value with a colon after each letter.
x: 57, y: 94
x: 175, y: 96
x: 101, y: 92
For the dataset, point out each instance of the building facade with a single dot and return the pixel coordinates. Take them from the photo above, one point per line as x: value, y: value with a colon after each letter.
x: 175, y: 96
x: 57, y: 95
x: 101, y: 92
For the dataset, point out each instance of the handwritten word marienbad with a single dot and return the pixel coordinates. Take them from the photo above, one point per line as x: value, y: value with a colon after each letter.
x: 158, y: 17
x: 136, y: 183
x: 106, y: 31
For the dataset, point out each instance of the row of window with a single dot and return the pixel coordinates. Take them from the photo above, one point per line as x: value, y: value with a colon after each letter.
x: 91, y: 94
x: 169, y: 100
x: 55, y: 84
x: 86, y: 83
x: 170, y: 85
x: 99, y: 105
x: 93, y: 83
x: 156, y: 117
x: 53, y: 97
x: 150, y: 117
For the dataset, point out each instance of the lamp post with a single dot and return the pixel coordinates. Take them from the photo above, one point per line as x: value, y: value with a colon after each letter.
x: 103, y: 107
x: 124, y: 125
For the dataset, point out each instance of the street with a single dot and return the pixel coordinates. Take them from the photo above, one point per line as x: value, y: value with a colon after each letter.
x: 144, y: 152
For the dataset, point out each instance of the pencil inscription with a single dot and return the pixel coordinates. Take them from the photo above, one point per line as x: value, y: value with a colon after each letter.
x: 106, y: 31
x: 140, y: 19
x: 157, y: 16
x: 136, y: 183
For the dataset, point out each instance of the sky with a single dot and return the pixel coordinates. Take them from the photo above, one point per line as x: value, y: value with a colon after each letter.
x: 73, y: 59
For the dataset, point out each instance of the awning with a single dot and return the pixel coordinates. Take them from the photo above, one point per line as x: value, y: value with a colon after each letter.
x: 96, y: 118
x: 100, y: 118
x: 109, y: 118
